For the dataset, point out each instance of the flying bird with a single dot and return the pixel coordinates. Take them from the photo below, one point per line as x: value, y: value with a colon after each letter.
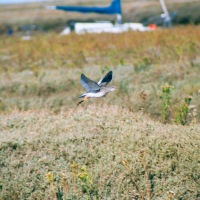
x: 96, y: 89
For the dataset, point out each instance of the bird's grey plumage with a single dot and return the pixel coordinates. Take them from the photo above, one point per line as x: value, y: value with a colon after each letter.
x: 95, y: 90
x: 88, y: 84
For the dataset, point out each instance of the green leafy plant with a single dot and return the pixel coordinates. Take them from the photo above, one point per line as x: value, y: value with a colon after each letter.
x: 83, y: 180
x: 181, y: 113
x: 86, y: 182
x: 165, y: 97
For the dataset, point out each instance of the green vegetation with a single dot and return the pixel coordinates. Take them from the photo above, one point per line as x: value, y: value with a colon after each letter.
x: 182, y: 112
x: 166, y: 96
x: 111, y: 148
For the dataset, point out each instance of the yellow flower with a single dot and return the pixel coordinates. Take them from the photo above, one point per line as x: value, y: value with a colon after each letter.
x: 49, y: 176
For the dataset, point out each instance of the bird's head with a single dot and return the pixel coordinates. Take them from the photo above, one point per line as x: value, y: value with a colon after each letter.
x: 112, y: 88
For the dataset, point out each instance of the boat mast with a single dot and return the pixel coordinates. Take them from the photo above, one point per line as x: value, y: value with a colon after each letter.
x: 165, y: 16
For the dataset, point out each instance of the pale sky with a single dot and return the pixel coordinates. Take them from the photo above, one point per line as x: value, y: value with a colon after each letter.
x: 19, y: 1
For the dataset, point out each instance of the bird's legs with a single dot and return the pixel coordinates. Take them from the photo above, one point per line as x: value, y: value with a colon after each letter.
x: 84, y: 99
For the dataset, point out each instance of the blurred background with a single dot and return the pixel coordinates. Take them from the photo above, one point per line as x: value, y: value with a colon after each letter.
x: 45, y: 72
x: 18, y: 15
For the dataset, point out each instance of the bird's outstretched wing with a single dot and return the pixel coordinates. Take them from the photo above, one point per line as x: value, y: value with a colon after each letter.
x: 106, y: 79
x: 89, y: 85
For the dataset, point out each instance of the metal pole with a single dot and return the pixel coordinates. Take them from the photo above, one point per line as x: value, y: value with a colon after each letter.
x: 119, y: 18
x: 167, y: 18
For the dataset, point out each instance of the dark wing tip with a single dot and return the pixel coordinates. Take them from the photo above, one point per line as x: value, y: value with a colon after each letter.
x: 82, y: 75
x: 110, y: 72
x: 108, y: 76
x: 106, y: 79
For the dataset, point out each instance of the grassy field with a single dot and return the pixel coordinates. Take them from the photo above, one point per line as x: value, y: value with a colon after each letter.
x: 140, y: 142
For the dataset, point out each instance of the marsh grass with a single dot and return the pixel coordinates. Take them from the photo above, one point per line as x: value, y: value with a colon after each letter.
x: 34, y: 144
x: 42, y: 132
x: 44, y: 72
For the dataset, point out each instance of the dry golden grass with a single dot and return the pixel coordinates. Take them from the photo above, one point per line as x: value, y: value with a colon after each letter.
x: 44, y: 72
